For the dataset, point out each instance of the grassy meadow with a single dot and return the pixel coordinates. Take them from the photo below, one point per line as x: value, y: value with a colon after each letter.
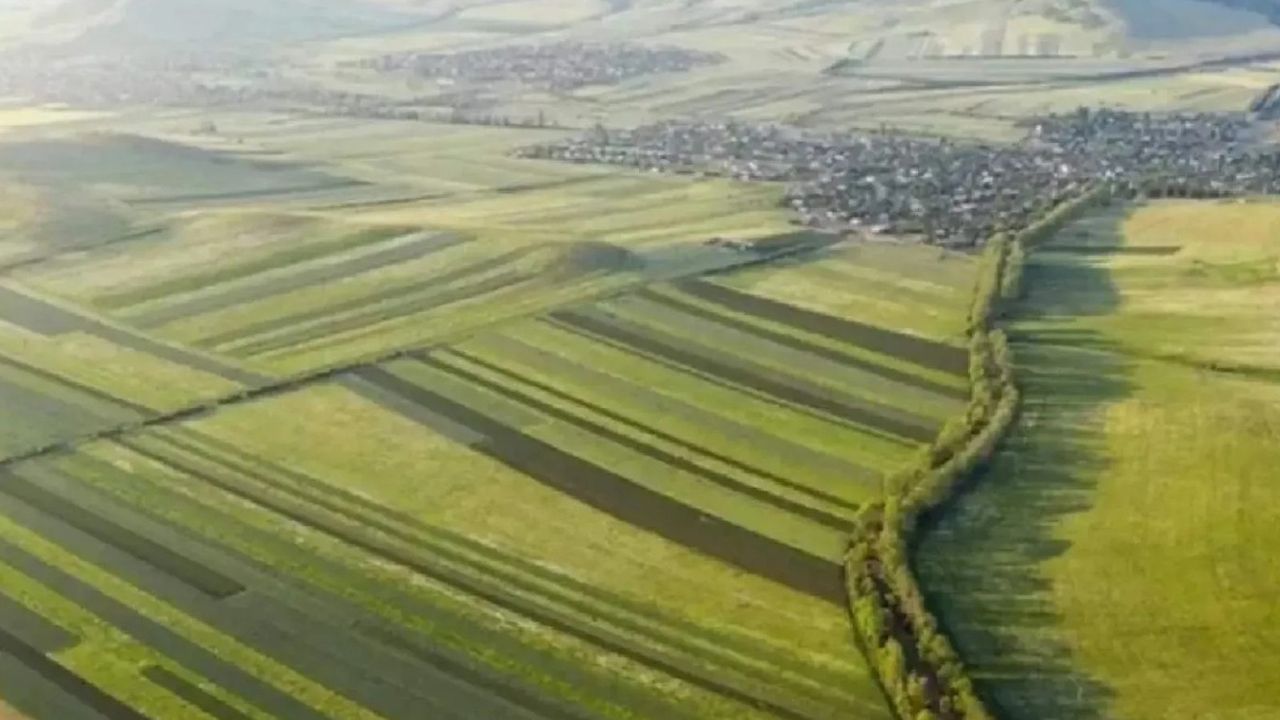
x: 1114, y: 561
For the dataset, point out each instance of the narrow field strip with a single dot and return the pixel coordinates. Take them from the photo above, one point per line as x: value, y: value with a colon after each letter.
x: 656, y: 432
x: 338, y: 655
x: 629, y: 502
x: 142, y: 619
x: 81, y: 388
x: 33, y: 628
x: 478, y: 586
x: 920, y: 351
x: 388, y: 295
x: 246, y: 267
x: 646, y: 470
x: 264, y: 288
x: 73, y: 685
x: 209, y: 704
x: 344, y: 184
x: 325, y: 654
x: 198, y: 576
x: 372, y: 318
x: 512, y: 392
x: 49, y: 319
x: 536, y: 582
x: 510, y: 571
x: 853, y: 386
x: 820, y: 400
x: 739, y: 322
x: 653, y: 392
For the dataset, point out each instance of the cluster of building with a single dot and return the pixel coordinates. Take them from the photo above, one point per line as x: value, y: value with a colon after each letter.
x: 951, y: 193
x: 559, y: 67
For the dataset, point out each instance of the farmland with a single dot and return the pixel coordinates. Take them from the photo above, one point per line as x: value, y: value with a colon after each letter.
x: 1122, y: 536
x: 691, y: 505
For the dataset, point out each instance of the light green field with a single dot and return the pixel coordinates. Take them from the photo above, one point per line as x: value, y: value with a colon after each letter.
x: 905, y: 287
x: 1116, y: 560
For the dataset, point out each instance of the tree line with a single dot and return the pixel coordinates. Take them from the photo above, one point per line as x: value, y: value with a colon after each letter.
x: 915, y: 663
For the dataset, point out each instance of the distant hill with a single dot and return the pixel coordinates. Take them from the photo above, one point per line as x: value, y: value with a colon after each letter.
x: 115, y: 25
x: 917, y: 29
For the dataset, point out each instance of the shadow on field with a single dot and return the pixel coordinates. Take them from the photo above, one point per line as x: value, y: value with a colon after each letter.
x: 984, y: 560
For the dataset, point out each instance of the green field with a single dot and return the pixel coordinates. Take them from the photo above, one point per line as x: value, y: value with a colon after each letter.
x: 484, y: 454
x: 1116, y: 561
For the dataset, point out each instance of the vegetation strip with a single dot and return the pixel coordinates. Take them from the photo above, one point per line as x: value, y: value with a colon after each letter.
x: 813, y: 399
x: 656, y: 432
x: 198, y: 576
x: 383, y: 296
x: 193, y: 694
x: 304, y: 278
x: 68, y: 682
x: 251, y: 194
x: 796, y: 343
x: 78, y: 387
x: 518, y: 696
x: 918, y: 667
x: 373, y: 316
x: 927, y: 353
x: 640, y: 447
x: 619, y: 497
x: 162, y: 639
x: 32, y: 627
x: 475, y: 586
x: 510, y: 571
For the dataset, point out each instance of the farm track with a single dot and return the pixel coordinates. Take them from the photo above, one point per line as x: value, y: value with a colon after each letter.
x: 619, y: 497
x: 926, y: 353
x: 308, y: 277
x: 582, y: 422
x: 859, y: 413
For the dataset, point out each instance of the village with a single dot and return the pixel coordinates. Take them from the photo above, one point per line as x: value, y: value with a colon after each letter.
x: 949, y: 192
x: 557, y: 67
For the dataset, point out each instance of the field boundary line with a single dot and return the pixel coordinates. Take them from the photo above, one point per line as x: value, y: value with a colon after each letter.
x: 920, y: 671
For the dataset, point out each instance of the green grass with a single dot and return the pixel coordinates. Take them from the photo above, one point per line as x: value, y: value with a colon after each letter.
x: 1116, y: 560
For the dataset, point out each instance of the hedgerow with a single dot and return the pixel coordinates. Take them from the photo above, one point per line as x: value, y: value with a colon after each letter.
x: 920, y: 671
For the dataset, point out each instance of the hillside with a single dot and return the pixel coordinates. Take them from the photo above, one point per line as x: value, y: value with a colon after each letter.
x: 99, y: 25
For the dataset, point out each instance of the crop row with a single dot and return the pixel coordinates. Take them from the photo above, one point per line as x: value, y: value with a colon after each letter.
x: 791, y: 391
x: 422, y: 294
x: 667, y: 437
x: 735, y: 422
x: 927, y: 353
x: 310, y: 276
x: 606, y: 491
x: 412, y: 546
x: 512, y: 392
x: 801, y: 345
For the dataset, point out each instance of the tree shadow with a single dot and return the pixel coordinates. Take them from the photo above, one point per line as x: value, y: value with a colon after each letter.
x: 983, y: 559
